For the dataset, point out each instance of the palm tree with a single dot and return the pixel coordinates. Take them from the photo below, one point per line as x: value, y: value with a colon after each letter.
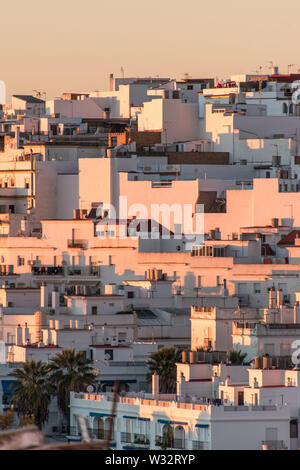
x: 70, y: 372
x: 164, y: 363
x: 238, y: 358
x: 33, y: 391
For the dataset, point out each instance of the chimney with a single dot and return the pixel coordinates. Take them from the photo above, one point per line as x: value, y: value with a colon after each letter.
x: 181, y: 388
x: 17, y: 137
x: 272, y: 298
x: 279, y: 298
x: 19, y: 336
x: 26, y: 334
x: 155, y: 385
x: 44, y: 296
x: 55, y: 301
x: 111, y: 82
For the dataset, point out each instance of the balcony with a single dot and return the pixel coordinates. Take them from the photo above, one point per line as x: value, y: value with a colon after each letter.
x: 126, y: 437
x: 141, y: 440
x: 77, y: 243
x: 47, y: 270
x: 99, y: 434
x: 274, y: 445
x: 200, y: 445
x: 169, y: 443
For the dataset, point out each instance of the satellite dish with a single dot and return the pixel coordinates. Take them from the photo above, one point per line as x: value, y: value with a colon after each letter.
x: 90, y: 389
x: 107, y: 357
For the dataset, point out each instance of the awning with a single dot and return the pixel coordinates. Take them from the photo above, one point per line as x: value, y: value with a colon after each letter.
x: 99, y: 415
x: 202, y: 426
x: 165, y: 421
x: 8, y: 386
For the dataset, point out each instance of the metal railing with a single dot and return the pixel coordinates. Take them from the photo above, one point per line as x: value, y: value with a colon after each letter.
x: 47, y: 270
x: 126, y: 437
x: 77, y: 243
x: 200, y: 445
x: 141, y: 439
x: 274, y: 444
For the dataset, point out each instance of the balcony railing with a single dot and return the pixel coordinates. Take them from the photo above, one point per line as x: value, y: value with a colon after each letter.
x: 169, y: 443
x: 141, y: 439
x: 179, y: 444
x: 126, y: 437
x: 272, y: 445
x: 200, y: 445
x: 76, y: 243
x: 47, y: 270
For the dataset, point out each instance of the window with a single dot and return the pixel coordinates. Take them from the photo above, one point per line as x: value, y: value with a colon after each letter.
x: 294, y: 429
x: 130, y: 295
x: 256, y: 288
x: 21, y: 261
x: 108, y: 354
x: 94, y: 310
x: 240, y: 398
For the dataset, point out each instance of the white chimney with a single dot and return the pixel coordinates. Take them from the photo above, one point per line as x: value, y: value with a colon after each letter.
x: 155, y: 385
x: 19, y: 335
x: 55, y: 301
x: 26, y: 334
x: 44, y: 296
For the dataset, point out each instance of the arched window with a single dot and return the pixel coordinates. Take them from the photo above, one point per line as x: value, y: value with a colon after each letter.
x: 168, y: 435
x: 179, y: 441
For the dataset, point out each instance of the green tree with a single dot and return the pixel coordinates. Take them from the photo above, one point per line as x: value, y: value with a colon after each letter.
x: 33, y: 391
x: 238, y: 358
x: 70, y: 372
x: 163, y: 362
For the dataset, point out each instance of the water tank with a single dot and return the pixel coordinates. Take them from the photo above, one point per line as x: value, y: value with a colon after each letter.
x: 267, y: 362
x: 193, y: 357
x: 257, y: 362
x: 275, y: 222
x: 184, y: 357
